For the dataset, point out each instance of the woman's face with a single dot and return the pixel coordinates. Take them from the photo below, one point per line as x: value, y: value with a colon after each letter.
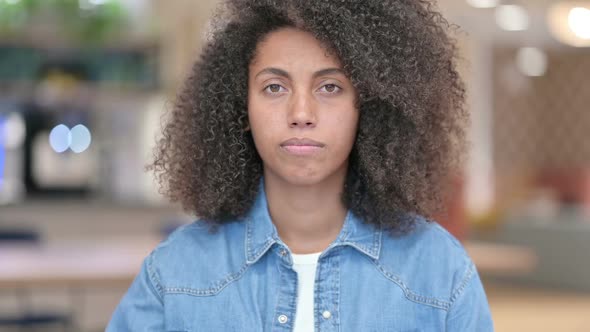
x: 301, y: 108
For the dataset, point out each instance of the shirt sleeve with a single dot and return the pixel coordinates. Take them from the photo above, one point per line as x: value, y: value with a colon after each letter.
x: 470, y: 310
x: 142, y: 308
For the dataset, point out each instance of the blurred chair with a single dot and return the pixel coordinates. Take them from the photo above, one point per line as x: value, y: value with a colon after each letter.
x: 23, y: 236
x: 572, y: 185
x: 28, y: 318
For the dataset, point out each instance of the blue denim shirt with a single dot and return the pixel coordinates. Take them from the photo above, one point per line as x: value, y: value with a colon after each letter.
x: 240, y: 279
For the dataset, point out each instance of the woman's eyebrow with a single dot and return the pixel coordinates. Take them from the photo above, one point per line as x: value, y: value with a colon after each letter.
x: 280, y: 72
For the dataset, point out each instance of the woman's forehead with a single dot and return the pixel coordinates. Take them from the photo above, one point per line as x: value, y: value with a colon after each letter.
x: 292, y: 47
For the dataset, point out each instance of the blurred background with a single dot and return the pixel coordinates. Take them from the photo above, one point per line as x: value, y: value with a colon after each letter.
x: 83, y: 87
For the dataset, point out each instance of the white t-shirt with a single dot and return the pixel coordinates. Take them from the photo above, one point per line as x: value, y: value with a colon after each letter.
x: 305, y: 265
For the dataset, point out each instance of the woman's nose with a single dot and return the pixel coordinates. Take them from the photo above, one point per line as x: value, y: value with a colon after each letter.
x: 302, y: 112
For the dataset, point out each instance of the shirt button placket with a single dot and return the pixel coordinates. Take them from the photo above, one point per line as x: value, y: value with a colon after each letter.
x: 328, y: 273
x: 283, y: 319
x: 287, y: 291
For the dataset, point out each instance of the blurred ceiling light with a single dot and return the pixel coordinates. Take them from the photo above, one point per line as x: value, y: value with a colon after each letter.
x: 60, y: 138
x: 483, y: 3
x: 531, y: 61
x: 569, y: 22
x: 512, y: 17
x: 81, y: 138
x: 579, y: 22
x: 98, y: 2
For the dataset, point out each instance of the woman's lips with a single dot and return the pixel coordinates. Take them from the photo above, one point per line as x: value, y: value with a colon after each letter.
x: 302, y: 146
x: 301, y: 149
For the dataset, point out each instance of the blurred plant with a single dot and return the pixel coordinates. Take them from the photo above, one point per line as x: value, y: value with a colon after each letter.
x: 86, y: 21
x: 14, y: 14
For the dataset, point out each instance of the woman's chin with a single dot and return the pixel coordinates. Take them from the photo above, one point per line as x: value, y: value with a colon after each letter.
x: 303, y: 181
x: 301, y: 177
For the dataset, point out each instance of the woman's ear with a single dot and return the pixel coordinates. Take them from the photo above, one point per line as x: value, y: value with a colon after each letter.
x: 245, y: 123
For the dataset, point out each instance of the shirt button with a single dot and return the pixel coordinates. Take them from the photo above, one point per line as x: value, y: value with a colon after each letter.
x: 326, y: 314
x: 283, y: 252
x: 283, y: 319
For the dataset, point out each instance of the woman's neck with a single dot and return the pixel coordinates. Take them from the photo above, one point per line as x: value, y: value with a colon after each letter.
x: 307, y: 218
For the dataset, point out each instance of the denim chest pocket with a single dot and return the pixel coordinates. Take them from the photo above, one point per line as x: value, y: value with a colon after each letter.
x: 388, y: 305
x: 221, y: 312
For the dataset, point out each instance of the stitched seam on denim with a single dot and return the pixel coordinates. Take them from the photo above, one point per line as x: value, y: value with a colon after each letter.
x: 339, y: 259
x: 409, y: 294
x: 317, y: 298
x: 154, y: 279
x: 361, y: 248
x: 257, y: 255
x: 294, y: 299
x: 277, y: 299
x: 347, y: 223
x: 469, y: 275
x: 335, y: 255
x: 208, y: 291
x: 248, y: 238
x: 377, y: 243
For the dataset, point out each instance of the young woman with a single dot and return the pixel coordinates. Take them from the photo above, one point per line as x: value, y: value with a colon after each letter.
x: 313, y: 139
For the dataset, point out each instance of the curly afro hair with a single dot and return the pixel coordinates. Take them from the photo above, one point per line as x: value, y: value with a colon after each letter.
x: 402, y: 61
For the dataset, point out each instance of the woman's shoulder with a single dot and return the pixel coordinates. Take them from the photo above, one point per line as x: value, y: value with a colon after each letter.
x: 196, y: 253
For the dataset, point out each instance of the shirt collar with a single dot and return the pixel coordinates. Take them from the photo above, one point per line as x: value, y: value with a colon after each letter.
x: 261, y: 233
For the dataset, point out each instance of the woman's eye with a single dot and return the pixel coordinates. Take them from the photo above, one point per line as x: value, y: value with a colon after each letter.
x: 328, y: 88
x: 331, y: 88
x: 273, y: 88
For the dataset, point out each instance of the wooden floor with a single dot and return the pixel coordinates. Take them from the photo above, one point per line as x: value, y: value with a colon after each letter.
x: 524, y: 308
